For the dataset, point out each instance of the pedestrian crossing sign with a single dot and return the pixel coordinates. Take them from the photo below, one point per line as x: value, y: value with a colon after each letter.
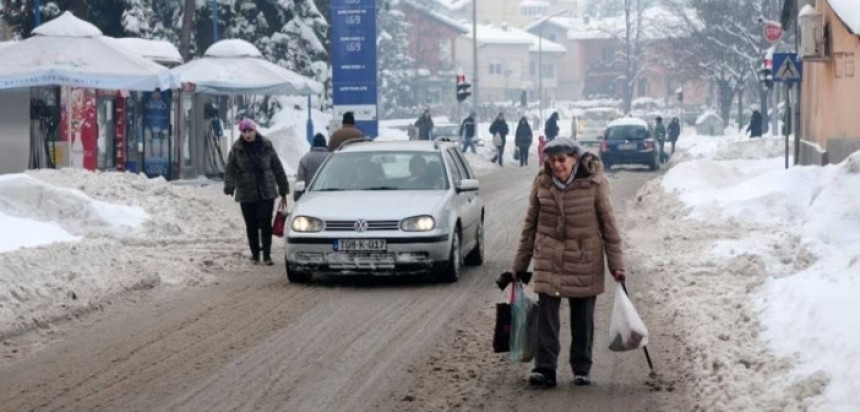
x: 787, y: 68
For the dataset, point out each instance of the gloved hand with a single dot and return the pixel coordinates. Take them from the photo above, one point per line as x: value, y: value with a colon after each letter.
x: 229, y: 191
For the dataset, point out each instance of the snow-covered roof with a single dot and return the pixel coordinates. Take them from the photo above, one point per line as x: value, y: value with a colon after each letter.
x: 534, y: 3
x: 66, y: 51
x: 159, y: 51
x: 419, y: 6
x: 236, y: 67
x: 710, y: 114
x: 628, y: 121
x: 454, y: 5
x: 67, y: 25
x: 848, y: 12
x: 659, y: 23
x: 512, y: 35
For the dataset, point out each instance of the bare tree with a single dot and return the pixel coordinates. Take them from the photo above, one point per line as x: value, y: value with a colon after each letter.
x: 722, y: 40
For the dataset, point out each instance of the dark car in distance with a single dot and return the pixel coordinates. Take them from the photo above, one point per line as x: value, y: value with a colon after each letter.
x: 629, y: 141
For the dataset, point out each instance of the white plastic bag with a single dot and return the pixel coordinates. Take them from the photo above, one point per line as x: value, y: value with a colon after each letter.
x: 497, y: 140
x: 523, y: 325
x: 627, y: 331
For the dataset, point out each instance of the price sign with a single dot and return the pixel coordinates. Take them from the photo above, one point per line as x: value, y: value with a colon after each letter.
x: 353, y: 36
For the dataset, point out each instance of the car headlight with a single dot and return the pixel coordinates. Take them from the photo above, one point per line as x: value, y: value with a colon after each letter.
x: 305, y: 224
x: 418, y: 224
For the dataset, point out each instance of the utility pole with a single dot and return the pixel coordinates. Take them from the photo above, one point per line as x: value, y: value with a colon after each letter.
x: 540, y: 62
x: 37, y: 13
x: 475, y: 80
x: 214, y: 21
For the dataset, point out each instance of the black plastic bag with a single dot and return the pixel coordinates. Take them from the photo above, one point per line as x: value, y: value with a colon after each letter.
x: 502, y: 334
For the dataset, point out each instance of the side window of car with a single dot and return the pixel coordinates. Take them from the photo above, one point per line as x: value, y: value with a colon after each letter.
x: 452, y: 164
x: 463, y: 164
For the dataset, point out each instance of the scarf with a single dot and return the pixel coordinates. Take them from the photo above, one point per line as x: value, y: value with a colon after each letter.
x: 564, y: 185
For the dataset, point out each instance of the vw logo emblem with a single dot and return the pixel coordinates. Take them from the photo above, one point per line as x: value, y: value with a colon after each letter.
x: 360, y: 226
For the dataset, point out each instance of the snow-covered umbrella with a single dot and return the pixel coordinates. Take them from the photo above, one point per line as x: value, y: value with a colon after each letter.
x: 68, y: 51
x: 236, y: 67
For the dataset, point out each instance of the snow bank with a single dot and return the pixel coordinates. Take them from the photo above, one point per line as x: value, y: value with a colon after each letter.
x: 116, y: 233
x: 793, y: 236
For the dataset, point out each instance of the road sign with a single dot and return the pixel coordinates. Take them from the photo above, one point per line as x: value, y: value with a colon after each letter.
x: 787, y: 68
x: 353, y: 37
x: 772, y: 32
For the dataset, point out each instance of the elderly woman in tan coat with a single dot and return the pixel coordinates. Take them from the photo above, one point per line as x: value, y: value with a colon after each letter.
x: 568, y: 229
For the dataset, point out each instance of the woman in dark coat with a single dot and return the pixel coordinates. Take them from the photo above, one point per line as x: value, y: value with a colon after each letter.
x: 255, y: 177
x: 500, y: 127
x: 674, y: 132
x: 523, y: 139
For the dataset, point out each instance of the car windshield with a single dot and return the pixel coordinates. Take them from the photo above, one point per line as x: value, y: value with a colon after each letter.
x: 445, y: 130
x: 627, y: 132
x: 382, y: 171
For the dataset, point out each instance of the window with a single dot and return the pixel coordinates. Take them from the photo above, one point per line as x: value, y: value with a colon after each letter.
x: 452, y: 164
x: 532, y: 68
x: 445, y: 52
x: 642, y: 88
x: 548, y: 70
x: 496, y: 68
x: 608, y: 55
x: 382, y: 171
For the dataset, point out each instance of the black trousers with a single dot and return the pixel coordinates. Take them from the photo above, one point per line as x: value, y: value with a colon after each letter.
x: 582, y: 333
x: 258, y: 225
x: 524, y: 155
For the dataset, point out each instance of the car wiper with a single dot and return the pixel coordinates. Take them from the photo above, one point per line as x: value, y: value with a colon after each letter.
x: 329, y: 189
x: 382, y: 188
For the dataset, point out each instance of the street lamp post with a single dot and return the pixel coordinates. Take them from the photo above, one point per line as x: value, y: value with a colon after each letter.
x: 540, y: 62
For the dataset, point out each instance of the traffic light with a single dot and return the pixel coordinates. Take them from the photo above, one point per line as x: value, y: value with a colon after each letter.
x: 462, y: 88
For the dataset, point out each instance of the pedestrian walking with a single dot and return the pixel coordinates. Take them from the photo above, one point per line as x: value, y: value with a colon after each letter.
x: 255, y: 177
x: 311, y: 162
x: 660, y: 137
x: 499, y: 130
x: 424, y: 125
x: 674, y: 132
x: 347, y: 132
x: 756, y: 125
x: 467, y: 133
x: 550, y: 129
x: 568, y: 228
x: 523, y: 139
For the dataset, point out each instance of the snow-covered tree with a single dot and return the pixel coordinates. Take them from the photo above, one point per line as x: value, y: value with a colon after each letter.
x: 395, y: 69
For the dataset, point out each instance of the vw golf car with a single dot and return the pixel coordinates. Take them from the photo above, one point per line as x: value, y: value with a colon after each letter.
x: 387, y: 208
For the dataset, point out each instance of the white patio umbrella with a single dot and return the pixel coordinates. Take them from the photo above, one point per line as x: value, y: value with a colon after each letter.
x: 236, y: 67
x: 68, y: 51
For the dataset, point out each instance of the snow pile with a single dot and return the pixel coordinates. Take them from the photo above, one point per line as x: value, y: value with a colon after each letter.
x: 112, y: 233
x: 762, y: 272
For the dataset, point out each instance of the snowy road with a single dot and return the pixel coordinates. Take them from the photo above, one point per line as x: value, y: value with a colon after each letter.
x: 253, y: 342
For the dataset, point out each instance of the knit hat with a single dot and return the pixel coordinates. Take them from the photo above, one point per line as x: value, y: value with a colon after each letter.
x: 562, y: 145
x: 246, y: 124
x: 319, y: 140
x: 349, y: 118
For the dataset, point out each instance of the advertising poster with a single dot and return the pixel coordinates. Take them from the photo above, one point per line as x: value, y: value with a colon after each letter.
x: 133, y: 133
x: 156, y: 134
x: 119, y: 132
x: 353, y: 39
x: 78, y: 129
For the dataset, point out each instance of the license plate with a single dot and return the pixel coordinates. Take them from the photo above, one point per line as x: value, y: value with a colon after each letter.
x: 359, y: 245
x: 627, y: 146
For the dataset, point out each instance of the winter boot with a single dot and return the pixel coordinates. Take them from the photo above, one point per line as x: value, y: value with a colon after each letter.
x: 581, y: 380
x: 267, y: 260
x: 542, y: 378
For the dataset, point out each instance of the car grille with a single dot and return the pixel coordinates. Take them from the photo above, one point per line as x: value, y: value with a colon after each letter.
x: 372, y: 225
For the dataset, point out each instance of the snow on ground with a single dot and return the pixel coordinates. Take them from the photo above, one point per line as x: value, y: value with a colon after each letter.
x: 80, y: 240
x: 763, y: 270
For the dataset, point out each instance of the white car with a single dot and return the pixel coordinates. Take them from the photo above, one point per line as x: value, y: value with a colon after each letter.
x: 387, y: 208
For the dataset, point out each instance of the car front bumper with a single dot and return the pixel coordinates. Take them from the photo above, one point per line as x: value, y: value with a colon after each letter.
x: 403, y: 256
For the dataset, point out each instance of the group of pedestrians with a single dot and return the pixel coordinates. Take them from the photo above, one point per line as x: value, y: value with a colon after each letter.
x: 255, y: 178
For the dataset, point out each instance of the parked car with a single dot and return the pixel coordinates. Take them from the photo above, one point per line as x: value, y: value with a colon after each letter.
x: 593, y: 123
x: 387, y: 208
x: 629, y: 141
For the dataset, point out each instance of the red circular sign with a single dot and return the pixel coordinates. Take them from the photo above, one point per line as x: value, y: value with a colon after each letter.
x: 772, y: 32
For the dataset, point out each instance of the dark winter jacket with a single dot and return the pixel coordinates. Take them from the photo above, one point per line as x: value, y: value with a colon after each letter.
x: 755, y: 127
x: 567, y: 232
x: 501, y: 128
x: 551, y: 129
x: 340, y: 136
x: 523, y: 136
x: 674, y: 131
x: 425, y: 127
x: 467, y: 128
x: 660, y: 132
x: 309, y: 165
x: 254, y: 171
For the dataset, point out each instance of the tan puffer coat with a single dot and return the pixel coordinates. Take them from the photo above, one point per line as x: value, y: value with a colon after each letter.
x: 567, y: 232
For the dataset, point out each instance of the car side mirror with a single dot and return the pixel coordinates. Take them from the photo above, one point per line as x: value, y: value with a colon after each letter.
x: 300, y: 187
x: 468, y: 185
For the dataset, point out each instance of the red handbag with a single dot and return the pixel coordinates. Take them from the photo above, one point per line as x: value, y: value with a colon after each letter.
x: 280, y: 219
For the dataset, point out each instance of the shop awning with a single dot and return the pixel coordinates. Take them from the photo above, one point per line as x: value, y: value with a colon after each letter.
x: 234, y: 67
x: 68, y: 51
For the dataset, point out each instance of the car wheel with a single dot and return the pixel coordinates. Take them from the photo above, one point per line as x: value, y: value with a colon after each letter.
x: 476, y: 256
x: 451, y: 272
x: 296, y: 276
